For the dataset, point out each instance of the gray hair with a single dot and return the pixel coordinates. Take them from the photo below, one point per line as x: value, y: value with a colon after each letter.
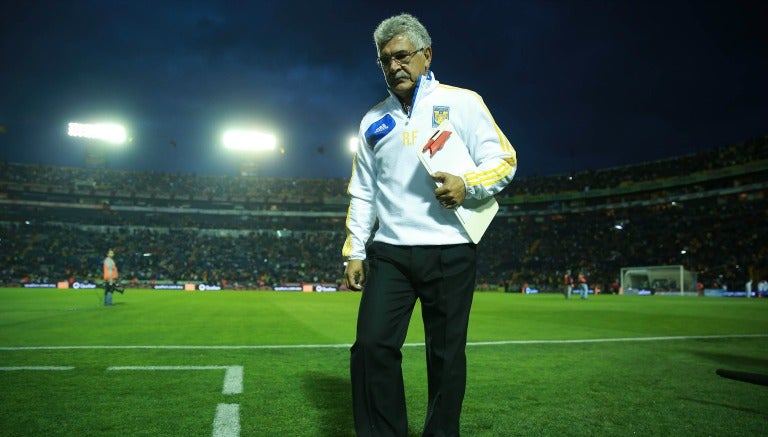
x: 403, y: 24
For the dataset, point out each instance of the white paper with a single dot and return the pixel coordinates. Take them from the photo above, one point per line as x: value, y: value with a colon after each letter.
x: 475, y: 215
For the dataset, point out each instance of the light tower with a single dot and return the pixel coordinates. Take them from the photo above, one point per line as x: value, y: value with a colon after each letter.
x: 352, y: 144
x: 249, y: 144
x: 98, y: 136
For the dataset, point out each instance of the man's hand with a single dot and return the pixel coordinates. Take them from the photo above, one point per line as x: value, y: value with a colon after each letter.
x: 355, y: 274
x: 451, y: 192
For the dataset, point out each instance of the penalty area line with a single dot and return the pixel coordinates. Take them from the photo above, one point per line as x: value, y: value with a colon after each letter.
x: 226, y: 423
x: 338, y: 346
x: 233, y: 375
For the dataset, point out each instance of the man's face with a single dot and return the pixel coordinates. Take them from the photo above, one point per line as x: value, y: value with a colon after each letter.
x: 110, y: 254
x: 402, y: 77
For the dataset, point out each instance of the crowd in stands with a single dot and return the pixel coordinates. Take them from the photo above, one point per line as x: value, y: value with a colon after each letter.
x: 172, y: 185
x: 182, y: 185
x: 239, y: 259
x: 755, y: 149
x: 721, y: 236
x: 719, y: 239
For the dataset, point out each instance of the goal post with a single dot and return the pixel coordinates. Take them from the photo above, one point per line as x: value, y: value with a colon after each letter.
x: 664, y: 280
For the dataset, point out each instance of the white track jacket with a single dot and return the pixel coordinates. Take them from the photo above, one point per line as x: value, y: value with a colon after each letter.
x: 388, y: 182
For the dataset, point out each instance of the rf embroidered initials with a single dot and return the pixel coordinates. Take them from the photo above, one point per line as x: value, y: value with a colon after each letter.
x: 409, y: 137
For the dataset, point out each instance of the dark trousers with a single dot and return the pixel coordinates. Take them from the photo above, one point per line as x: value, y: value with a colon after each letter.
x: 443, y: 279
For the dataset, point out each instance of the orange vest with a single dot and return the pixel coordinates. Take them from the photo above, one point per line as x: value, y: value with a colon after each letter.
x: 107, y: 270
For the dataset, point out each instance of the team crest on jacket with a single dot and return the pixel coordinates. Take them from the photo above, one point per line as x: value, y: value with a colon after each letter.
x: 439, y: 115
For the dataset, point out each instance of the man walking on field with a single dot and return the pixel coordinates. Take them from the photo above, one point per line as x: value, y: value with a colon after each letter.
x: 110, y: 276
x: 420, y: 251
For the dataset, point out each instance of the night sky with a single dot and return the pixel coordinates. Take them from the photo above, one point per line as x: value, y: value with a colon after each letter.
x: 575, y: 85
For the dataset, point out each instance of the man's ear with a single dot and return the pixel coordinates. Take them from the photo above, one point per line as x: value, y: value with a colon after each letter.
x: 428, y: 56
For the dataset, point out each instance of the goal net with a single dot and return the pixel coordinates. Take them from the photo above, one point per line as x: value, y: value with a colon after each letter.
x: 673, y: 279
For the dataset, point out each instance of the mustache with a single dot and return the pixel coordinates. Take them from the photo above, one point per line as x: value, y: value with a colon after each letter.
x: 399, y: 75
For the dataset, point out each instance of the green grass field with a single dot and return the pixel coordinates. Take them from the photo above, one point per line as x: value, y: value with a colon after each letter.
x: 276, y: 364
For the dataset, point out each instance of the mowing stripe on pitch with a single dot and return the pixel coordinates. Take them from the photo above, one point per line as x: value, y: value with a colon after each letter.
x: 345, y: 345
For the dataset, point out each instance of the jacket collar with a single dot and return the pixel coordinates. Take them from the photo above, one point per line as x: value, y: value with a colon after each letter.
x: 424, y: 86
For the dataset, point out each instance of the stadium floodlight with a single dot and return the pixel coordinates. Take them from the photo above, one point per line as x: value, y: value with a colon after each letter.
x: 110, y: 132
x: 249, y: 140
x: 353, y: 144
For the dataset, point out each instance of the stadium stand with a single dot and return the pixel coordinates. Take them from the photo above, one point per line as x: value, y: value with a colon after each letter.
x: 251, y: 233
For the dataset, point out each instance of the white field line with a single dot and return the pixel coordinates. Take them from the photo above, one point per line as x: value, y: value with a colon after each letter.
x: 233, y: 380
x: 620, y: 339
x: 233, y: 375
x: 345, y: 345
x: 226, y: 423
x: 14, y: 368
